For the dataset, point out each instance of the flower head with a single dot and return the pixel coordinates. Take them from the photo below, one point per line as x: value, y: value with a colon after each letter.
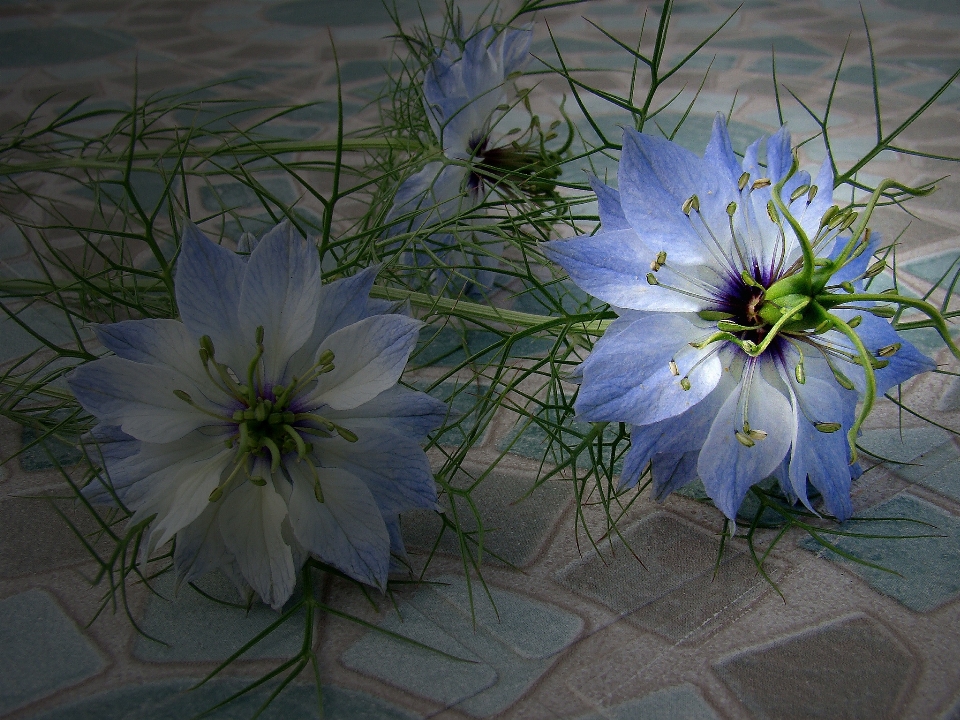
x: 744, y: 339
x: 464, y: 95
x: 266, y: 424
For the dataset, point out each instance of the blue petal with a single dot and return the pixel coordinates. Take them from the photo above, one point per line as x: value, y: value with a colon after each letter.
x: 628, y: 378
x: 138, y: 398
x: 346, y: 530
x: 727, y: 467
x: 673, y: 471
x: 613, y: 267
x: 608, y: 201
x: 779, y: 155
x: 393, y: 466
x: 823, y: 458
x: 281, y: 292
x: 407, y: 412
x: 719, y: 157
x: 655, y: 178
x: 208, y: 282
x: 876, y: 333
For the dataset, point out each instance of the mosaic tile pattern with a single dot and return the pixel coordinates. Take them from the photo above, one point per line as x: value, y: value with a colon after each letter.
x: 852, y: 669
x: 507, y: 649
x: 674, y: 637
x: 41, y: 649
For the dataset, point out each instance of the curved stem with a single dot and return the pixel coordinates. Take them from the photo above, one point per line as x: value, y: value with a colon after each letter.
x: 805, y: 245
x: 871, y: 381
x: 926, y: 308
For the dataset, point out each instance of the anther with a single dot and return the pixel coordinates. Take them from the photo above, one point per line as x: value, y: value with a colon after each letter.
x: 183, y: 396
x: 829, y: 215
x: 652, y: 279
x: 884, y: 311
x: 731, y: 208
x: 345, y: 434
x: 827, y: 427
x: 800, y: 373
x: 772, y: 212
x: 692, y: 203
x: 798, y: 192
x: 854, y: 321
x: 326, y: 357
x: 744, y: 439
x: 812, y: 193
x: 258, y: 481
x: 888, y: 350
x: 757, y: 435
x: 259, y: 335
x: 744, y: 179
x: 685, y: 383
x: 674, y: 370
x: 761, y: 183
x: 216, y: 494
x: 847, y: 286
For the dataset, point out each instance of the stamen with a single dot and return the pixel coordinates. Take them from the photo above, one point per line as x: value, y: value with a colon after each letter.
x: 189, y: 401
x: 691, y: 203
x: 798, y: 192
x: 827, y: 427
x: 888, y: 350
x: 744, y: 440
x: 761, y: 183
x: 742, y: 182
x: 674, y: 370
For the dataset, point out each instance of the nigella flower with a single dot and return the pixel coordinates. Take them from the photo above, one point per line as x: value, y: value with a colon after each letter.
x: 266, y: 424
x: 745, y: 337
x: 464, y: 95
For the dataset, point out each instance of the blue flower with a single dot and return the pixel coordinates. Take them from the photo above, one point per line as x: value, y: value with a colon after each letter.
x: 734, y: 356
x: 266, y: 425
x: 464, y: 95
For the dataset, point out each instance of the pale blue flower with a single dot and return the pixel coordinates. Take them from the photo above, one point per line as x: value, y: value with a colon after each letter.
x: 465, y: 97
x: 702, y: 264
x: 266, y: 424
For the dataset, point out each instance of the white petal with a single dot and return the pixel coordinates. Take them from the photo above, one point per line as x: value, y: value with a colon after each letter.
x: 346, y: 530
x: 368, y: 357
x: 250, y: 522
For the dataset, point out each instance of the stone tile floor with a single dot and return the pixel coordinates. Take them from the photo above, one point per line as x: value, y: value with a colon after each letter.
x: 576, y: 633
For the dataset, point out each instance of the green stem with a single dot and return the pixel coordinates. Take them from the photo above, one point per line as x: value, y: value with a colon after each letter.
x: 926, y: 308
x: 266, y: 147
x: 475, y: 311
x: 871, y: 381
x: 805, y: 245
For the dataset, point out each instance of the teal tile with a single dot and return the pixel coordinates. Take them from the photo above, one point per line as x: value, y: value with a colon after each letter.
x: 510, y: 649
x: 717, y: 63
x: 196, y: 628
x: 22, y: 269
x: 531, y: 440
x: 803, y: 67
x: 516, y: 524
x: 36, y: 539
x: 446, y: 346
x: 901, y: 445
x: 175, y: 700
x: 682, y: 701
x: 29, y: 47
x: 237, y: 195
x: 939, y: 64
x: 863, y: 75
x: 355, y: 12
x: 927, y: 567
x: 83, y: 70
x: 852, y: 669
x: 49, y: 453
x: 46, y: 321
x: 677, y: 591
x: 933, y: 268
x: 41, y: 650
x: 786, y: 44
x: 363, y: 70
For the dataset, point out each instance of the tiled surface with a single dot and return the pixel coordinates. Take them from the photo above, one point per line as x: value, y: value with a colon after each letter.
x: 579, y: 632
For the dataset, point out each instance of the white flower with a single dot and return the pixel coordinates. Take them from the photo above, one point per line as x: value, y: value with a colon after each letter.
x: 464, y: 95
x: 266, y: 424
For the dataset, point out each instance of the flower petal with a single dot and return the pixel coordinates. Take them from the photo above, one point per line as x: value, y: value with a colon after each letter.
x: 208, y: 284
x: 281, y: 293
x: 138, y: 398
x: 406, y: 412
x: 822, y: 457
x: 613, y: 267
x: 200, y: 547
x: 250, y: 522
x: 726, y: 466
x: 630, y: 379
x: 393, y: 466
x: 368, y: 357
x: 346, y: 530
x: 608, y: 202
